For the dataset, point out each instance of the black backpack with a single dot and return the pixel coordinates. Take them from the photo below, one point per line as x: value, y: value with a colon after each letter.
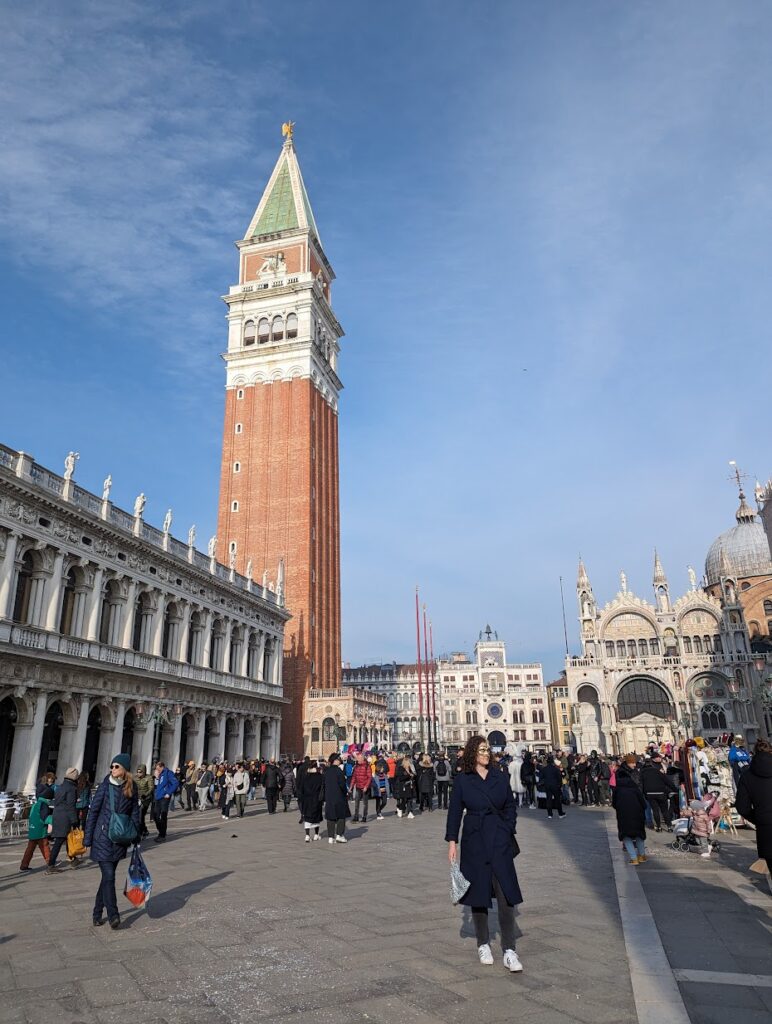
x: 441, y: 770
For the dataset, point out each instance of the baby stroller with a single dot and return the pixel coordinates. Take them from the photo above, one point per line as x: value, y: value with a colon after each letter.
x: 683, y: 840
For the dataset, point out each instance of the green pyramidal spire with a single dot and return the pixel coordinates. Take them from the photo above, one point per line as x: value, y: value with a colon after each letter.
x: 285, y: 205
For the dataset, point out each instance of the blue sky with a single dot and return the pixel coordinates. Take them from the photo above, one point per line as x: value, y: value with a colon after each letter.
x: 550, y: 226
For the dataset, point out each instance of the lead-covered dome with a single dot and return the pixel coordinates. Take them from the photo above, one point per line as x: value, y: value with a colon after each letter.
x: 741, y: 551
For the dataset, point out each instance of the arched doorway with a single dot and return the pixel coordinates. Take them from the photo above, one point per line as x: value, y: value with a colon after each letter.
x: 8, y: 716
x: 52, y: 738
x: 129, y: 725
x: 497, y: 740
x: 403, y: 748
x: 589, y: 734
x: 645, y: 712
x: 91, y: 748
x: 207, y: 737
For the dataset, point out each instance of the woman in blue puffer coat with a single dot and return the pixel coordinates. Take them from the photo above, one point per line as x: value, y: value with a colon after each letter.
x: 104, y: 851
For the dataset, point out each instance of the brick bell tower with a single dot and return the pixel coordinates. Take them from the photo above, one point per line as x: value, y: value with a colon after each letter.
x: 279, y: 477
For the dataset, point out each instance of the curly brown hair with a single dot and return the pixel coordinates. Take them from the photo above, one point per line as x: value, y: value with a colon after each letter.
x: 469, y: 754
x: 762, y: 746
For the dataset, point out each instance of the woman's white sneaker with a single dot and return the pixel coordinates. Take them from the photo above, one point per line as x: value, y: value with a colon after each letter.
x: 411, y: 815
x: 485, y: 955
x: 399, y: 813
x: 330, y: 839
x: 341, y: 839
x: 511, y: 961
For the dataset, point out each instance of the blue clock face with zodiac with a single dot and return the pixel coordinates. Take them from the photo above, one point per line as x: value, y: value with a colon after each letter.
x: 495, y: 711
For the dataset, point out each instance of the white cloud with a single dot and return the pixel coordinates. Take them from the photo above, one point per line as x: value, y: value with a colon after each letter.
x: 122, y: 149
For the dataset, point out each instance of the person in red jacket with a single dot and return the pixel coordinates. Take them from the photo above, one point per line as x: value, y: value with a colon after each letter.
x: 361, y: 780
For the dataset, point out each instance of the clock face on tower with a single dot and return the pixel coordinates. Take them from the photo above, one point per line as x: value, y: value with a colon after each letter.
x: 495, y: 711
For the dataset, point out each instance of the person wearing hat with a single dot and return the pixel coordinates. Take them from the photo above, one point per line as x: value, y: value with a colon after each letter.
x: 116, y: 793
x: 630, y: 805
x: 336, y: 808
x: 657, y: 786
x: 65, y: 817
x: 145, y: 792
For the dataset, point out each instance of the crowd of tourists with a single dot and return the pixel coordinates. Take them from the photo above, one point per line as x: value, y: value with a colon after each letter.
x: 643, y: 789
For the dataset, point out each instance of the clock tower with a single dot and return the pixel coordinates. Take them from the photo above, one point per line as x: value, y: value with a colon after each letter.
x: 279, y: 476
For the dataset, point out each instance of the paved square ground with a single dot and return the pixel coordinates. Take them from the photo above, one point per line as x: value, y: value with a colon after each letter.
x: 249, y: 923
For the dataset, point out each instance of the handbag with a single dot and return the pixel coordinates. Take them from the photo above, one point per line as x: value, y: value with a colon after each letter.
x: 121, y: 829
x: 458, y: 884
x: 139, y: 884
x: 75, y: 847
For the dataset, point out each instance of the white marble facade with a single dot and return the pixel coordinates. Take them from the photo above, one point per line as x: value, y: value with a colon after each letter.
x: 115, y: 635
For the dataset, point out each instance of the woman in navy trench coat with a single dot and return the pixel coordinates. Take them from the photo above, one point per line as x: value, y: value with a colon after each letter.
x: 104, y: 851
x: 482, y: 795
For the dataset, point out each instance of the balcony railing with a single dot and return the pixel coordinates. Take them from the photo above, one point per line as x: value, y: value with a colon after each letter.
x: 661, y: 661
x: 347, y: 692
x: 23, y: 467
x: 32, y: 638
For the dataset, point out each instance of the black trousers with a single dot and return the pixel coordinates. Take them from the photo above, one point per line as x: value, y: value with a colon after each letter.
x: 574, y: 784
x: 594, y: 791
x: 506, y: 920
x: 56, y: 845
x: 190, y: 793
x: 161, y: 816
x: 529, y: 790
x: 105, y: 894
x: 271, y: 796
x: 336, y: 828
x: 442, y: 795
x: 554, y: 799
x: 144, y: 807
x: 660, y: 808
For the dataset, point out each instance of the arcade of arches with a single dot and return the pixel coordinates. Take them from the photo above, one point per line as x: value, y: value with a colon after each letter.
x: 41, y: 730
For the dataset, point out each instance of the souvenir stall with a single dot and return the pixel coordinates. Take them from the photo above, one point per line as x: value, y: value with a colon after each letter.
x: 706, y: 770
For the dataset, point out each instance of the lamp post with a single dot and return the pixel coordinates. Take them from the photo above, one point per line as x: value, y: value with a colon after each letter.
x: 160, y: 712
x: 763, y: 695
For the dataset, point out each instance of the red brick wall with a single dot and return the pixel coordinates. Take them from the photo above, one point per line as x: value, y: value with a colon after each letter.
x: 288, y: 508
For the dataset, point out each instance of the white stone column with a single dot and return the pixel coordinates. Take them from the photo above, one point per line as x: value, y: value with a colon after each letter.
x: 242, y: 668
x: 263, y: 739
x: 222, y: 720
x: 226, y: 646
x: 173, y: 756
x: 8, y: 576
x: 53, y: 609
x: 198, y: 746
x: 206, y: 645
x: 240, y: 736
x: 95, y: 605
x: 114, y: 624
x: 156, y: 640
x: 181, y: 653
x: 73, y: 742
x: 128, y: 618
x: 260, y: 656
x: 110, y: 742
x: 25, y: 755
x: 276, y: 737
x: 36, y: 596
x: 146, y: 746
x: 276, y: 661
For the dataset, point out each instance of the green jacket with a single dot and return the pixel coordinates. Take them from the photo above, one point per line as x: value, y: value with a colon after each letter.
x: 144, y: 787
x: 40, y: 818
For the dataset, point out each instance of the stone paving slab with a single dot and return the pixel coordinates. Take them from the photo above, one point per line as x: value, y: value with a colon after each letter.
x: 263, y: 927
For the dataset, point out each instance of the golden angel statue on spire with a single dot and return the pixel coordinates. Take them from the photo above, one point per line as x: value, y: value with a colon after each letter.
x: 288, y: 130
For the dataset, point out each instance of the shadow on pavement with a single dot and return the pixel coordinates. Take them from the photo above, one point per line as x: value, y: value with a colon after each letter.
x: 171, y: 900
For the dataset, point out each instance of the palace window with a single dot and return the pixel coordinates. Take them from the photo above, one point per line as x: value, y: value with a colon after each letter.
x: 713, y: 718
x: 768, y: 607
x: 687, y: 642
x: 609, y: 648
x: 643, y: 648
x: 620, y: 648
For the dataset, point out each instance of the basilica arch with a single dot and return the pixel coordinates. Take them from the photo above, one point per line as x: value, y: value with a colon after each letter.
x: 589, y: 725
x: 646, y: 713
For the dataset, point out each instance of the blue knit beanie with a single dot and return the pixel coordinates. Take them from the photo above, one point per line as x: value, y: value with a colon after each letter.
x: 124, y: 760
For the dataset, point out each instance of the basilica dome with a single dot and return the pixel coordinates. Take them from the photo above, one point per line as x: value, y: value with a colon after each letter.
x: 741, y: 551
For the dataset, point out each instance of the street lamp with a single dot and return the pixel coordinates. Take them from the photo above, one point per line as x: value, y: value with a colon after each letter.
x: 160, y: 712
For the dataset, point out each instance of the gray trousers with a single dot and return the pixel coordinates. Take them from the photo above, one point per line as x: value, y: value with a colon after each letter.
x: 336, y: 828
x: 506, y: 920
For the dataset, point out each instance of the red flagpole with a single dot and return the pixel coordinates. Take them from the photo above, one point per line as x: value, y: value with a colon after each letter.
x: 434, y: 685
x: 426, y: 663
x: 418, y: 668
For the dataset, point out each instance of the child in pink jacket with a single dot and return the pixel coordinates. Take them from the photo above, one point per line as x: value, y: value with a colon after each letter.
x: 701, y: 826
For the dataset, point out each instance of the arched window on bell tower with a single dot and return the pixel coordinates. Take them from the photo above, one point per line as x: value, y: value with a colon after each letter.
x: 250, y: 333
x: 263, y: 331
x: 292, y: 326
x: 277, y: 329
